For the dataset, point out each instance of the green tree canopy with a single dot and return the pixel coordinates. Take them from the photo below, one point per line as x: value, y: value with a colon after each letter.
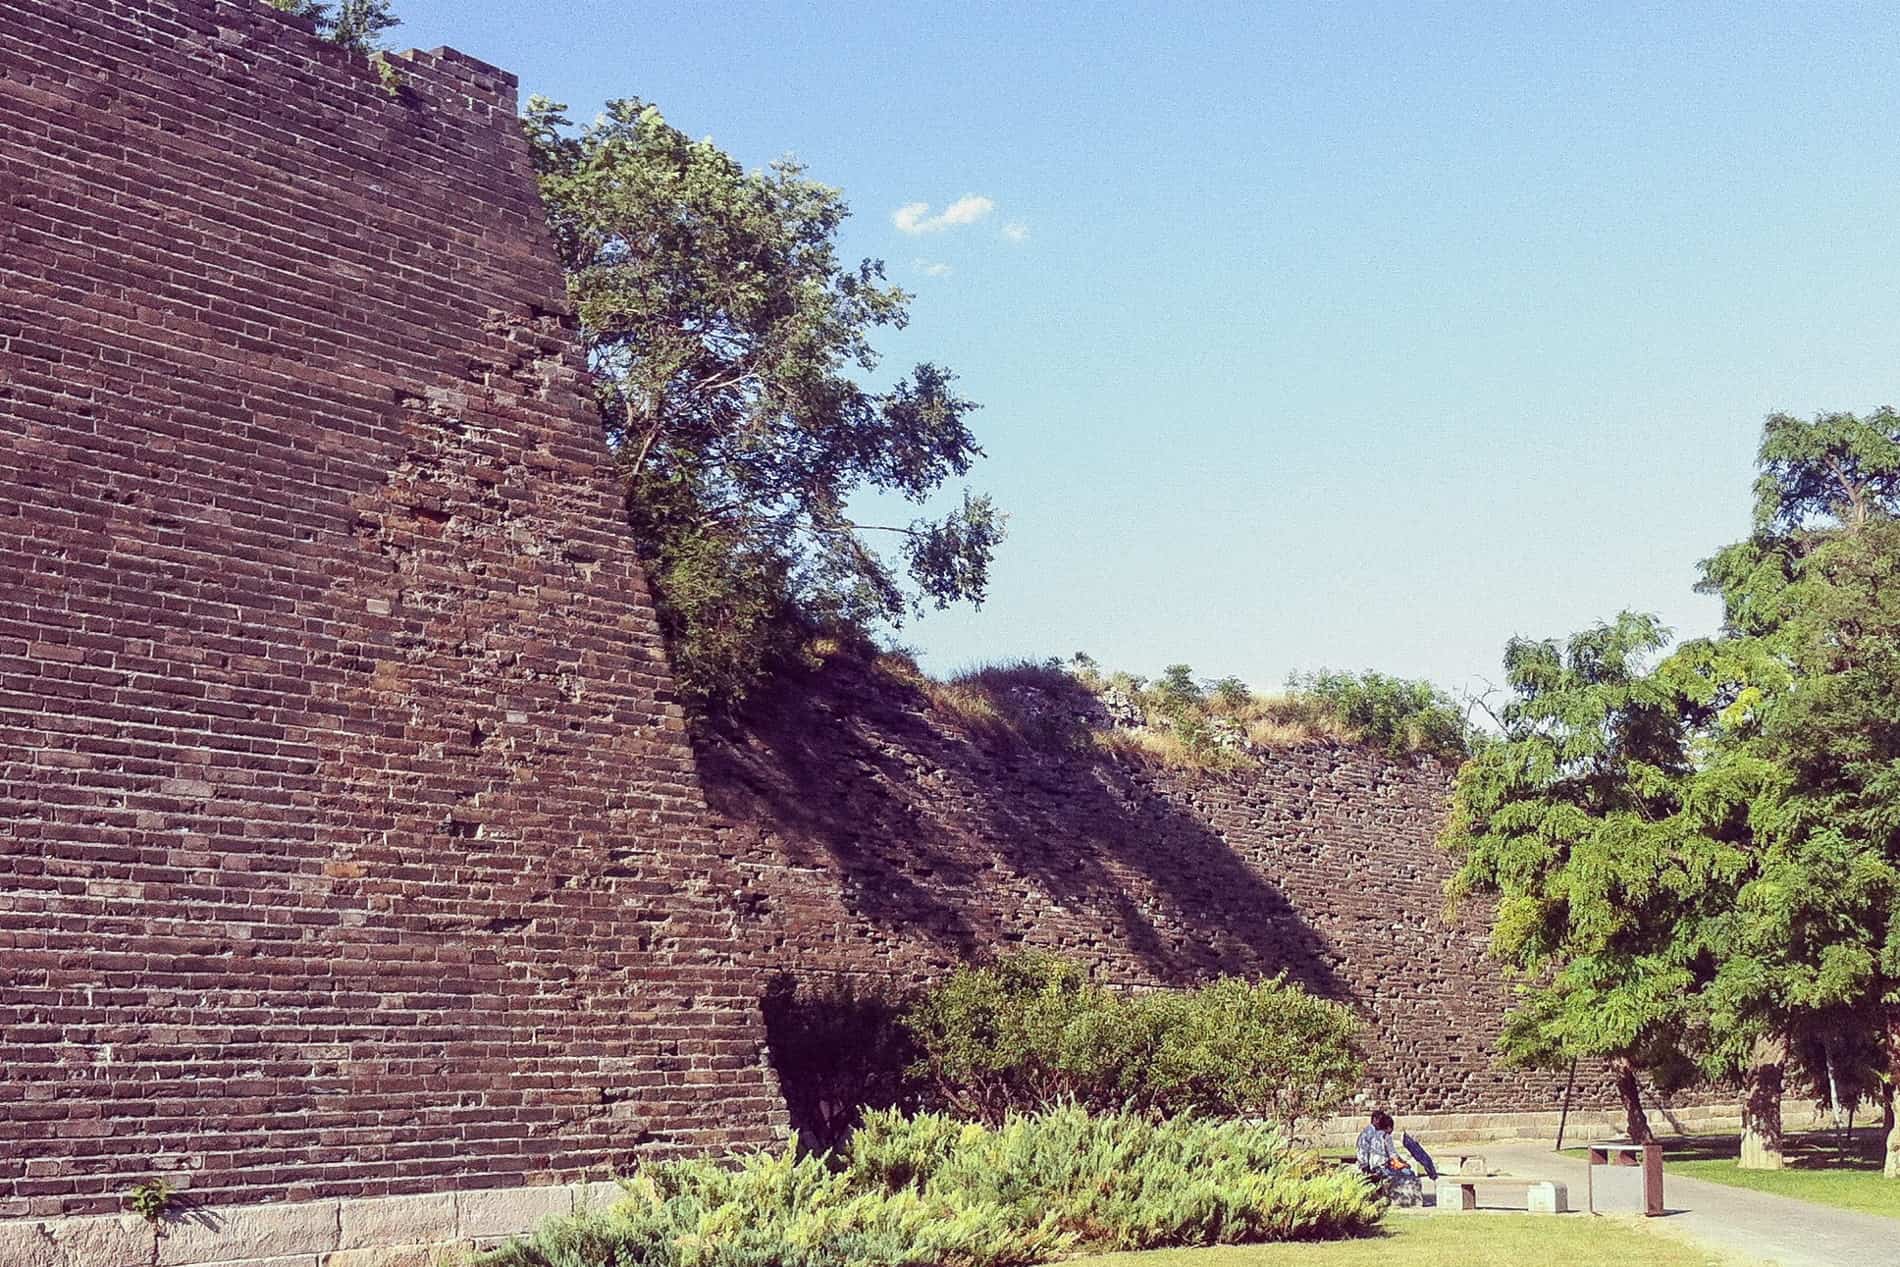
x: 1812, y: 950
x: 727, y: 340
x: 1606, y: 854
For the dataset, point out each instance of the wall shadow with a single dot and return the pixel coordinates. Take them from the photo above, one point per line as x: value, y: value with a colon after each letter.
x: 948, y: 833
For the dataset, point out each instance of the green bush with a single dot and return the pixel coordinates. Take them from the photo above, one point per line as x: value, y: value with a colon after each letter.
x: 1398, y: 714
x: 1030, y: 1031
x: 928, y: 1190
x: 779, y: 1210
x: 1121, y: 1181
x: 1254, y: 1047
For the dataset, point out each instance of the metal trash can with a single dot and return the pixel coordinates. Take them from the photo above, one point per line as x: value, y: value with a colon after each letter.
x: 1619, y: 1153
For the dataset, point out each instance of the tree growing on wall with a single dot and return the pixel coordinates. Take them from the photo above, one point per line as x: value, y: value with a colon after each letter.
x: 1398, y: 714
x: 727, y: 339
x: 355, y: 24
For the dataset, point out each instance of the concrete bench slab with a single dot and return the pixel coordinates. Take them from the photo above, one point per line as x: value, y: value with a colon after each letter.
x: 1459, y: 1194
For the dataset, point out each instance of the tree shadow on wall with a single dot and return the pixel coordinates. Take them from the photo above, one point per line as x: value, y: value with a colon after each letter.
x: 839, y: 1048
x: 943, y: 827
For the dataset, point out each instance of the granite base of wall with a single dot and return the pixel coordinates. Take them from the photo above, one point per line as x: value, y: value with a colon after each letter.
x: 415, y: 1231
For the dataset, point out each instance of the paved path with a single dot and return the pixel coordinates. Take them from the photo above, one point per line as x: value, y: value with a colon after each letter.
x: 1752, y: 1227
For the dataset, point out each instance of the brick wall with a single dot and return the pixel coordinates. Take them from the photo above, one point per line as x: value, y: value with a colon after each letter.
x: 349, y: 839
x: 351, y: 843
x: 885, y: 838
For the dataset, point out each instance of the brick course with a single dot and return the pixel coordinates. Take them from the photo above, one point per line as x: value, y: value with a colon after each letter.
x: 350, y: 842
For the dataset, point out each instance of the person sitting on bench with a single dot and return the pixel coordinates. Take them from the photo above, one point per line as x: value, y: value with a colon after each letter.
x: 1379, y: 1158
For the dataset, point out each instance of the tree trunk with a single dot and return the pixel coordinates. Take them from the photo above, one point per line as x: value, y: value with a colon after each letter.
x: 1892, y: 1170
x: 1761, y: 1108
x: 1631, y: 1093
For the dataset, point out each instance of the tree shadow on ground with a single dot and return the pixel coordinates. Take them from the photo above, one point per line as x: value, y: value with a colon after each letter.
x: 1803, y: 1150
x: 950, y: 828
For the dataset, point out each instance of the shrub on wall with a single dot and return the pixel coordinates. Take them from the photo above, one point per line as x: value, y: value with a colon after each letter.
x: 929, y: 1189
x: 1031, y: 1030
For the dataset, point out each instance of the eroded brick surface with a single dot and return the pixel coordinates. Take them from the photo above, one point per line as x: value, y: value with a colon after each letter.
x: 349, y: 840
x: 885, y: 838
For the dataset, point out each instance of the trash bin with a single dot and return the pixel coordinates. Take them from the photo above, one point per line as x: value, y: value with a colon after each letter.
x: 1619, y: 1153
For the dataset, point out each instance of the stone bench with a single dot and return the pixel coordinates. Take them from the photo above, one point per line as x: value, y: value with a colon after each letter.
x: 1459, y: 1193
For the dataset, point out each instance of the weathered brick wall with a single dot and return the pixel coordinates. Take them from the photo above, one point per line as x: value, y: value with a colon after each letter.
x: 349, y: 838
x: 886, y: 838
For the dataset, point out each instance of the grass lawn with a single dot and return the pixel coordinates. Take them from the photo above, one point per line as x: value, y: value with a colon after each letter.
x: 1818, y: 1171
x: 1427, y: 1240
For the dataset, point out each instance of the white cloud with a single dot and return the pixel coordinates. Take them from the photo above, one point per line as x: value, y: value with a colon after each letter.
x: 909, y: 216
x: 1016, y: 231
x: 915, y: 217
x: 931, y: 268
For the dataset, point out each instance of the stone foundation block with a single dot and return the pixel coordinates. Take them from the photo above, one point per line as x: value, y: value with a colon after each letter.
x: 393, y: 1256
x: 507, y: 1211
x: 377, y: 1221
x: 250, y: 1233
x: 26, y: 1244
x: 597, y: 1195
x: 112, y: 1240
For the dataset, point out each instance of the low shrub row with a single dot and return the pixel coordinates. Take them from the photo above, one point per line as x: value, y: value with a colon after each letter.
x: 926, y: 1189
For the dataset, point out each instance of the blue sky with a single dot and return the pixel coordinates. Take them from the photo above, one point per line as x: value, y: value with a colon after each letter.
x: 1354, y: 336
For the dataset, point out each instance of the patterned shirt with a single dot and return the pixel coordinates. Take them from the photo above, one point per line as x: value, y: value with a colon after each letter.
x: 1376, y: 1149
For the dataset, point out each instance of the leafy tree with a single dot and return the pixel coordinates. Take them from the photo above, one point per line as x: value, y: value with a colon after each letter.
x: 355, y: 24
x: 1701, y: 860
x: 1812, y: 971
x: 1607, y: 855
x: 1231, y: 693
x: 1177, y: 693
x: 725, y: 336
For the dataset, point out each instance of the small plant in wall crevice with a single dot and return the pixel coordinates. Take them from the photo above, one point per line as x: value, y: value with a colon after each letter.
x: 150, y: 1200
